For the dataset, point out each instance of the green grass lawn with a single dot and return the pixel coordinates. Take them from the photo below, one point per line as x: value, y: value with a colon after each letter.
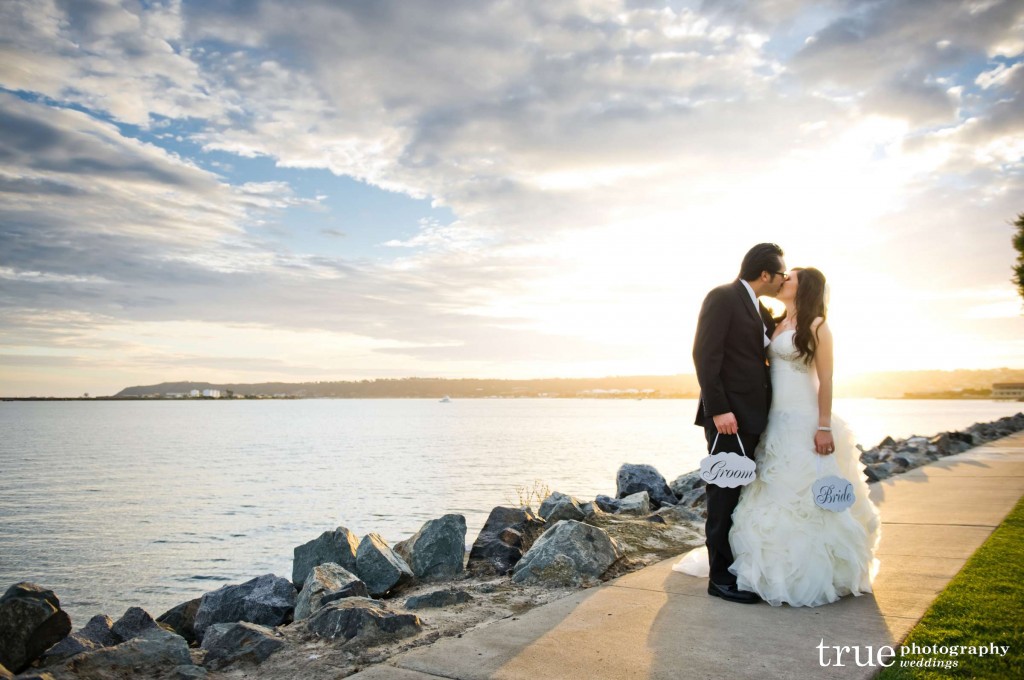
x: 982, y: 605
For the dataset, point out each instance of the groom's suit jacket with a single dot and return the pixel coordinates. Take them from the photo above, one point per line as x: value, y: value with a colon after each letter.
x: 731, y: 358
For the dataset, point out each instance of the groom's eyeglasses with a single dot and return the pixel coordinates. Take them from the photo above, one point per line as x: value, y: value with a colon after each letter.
x: 784, y: 275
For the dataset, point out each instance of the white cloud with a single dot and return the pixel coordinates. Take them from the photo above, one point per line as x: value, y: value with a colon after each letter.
x: 110, y: 56
x: 998, y: 76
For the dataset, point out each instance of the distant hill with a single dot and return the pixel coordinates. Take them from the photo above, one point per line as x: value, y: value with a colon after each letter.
x: 893, y: 384
x: 653, y: 386
x: 919, y: 383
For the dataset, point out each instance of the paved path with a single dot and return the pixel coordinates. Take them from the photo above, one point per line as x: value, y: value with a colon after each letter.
x: 656, y: 623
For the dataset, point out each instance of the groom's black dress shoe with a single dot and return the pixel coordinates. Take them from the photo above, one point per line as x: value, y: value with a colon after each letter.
x: 732, y: 593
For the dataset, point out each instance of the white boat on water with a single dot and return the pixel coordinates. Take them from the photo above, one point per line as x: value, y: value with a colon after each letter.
x: 446, y: 400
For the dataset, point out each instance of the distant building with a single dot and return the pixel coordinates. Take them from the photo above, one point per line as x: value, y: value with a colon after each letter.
x: 212, y: 393
x: 1008, y: 391
x: 195, y: 393
x: 174, y: 395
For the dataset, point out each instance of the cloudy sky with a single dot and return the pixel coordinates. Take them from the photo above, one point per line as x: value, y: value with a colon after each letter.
x: 255, y: 190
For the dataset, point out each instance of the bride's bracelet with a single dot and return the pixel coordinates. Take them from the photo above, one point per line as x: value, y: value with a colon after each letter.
x: 822, y: 428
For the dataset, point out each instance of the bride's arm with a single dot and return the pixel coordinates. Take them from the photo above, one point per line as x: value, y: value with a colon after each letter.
x: 823, y: 442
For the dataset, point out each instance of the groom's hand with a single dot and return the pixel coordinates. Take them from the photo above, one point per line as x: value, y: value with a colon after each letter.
x: 726, y: 423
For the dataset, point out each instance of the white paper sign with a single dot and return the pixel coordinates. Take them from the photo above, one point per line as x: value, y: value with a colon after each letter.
x: 833, y: 493
x: 727, y: 468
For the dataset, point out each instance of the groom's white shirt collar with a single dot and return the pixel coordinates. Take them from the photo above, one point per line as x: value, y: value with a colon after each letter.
x: 757, y: 308
x: 753, y: 298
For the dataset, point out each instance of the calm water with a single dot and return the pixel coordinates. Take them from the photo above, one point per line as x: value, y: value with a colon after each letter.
x: 119, y: 504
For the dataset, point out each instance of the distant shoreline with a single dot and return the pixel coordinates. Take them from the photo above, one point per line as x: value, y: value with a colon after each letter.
x: 933, y: 384
x: 915, y: 397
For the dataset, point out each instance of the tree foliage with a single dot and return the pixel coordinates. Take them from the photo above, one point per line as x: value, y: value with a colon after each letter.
x: 1018, y: 243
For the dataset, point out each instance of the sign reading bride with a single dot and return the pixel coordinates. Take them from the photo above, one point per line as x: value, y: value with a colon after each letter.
x: 727, y: 468
x: 833, y: 493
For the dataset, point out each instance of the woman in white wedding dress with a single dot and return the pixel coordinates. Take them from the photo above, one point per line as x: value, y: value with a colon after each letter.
x: 786, y: 548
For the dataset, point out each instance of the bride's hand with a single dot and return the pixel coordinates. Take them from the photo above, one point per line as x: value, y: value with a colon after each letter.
x: 823, y: 443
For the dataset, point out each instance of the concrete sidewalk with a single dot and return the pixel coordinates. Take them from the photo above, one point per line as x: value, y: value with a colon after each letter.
x: 656, y: 623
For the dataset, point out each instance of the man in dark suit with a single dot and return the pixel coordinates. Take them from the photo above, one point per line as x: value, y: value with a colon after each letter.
x: 730, y: 355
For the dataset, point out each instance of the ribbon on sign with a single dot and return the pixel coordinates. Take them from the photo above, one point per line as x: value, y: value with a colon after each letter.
x: 831, y: 492
x: 727, y: 468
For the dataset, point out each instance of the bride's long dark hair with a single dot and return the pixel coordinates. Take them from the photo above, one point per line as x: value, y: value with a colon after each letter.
x: 810, y: 304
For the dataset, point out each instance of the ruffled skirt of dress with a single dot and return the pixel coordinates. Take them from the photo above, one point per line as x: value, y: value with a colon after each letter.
x: 694, y: 563
x: 786, y: 548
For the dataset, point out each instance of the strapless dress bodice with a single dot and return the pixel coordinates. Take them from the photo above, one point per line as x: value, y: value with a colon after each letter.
x: 794, y: 381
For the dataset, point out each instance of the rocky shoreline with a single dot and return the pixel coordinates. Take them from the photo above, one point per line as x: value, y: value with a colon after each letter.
x: 353, y: 602
x: 891, y: 456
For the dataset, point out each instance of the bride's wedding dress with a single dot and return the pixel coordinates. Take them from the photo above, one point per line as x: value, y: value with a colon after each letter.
x: 786, y: 548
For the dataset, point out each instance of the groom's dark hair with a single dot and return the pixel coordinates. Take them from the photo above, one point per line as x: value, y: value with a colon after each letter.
x: 764, y: 257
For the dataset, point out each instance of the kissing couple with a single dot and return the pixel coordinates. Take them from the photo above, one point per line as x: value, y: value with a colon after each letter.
x: 767, y: 382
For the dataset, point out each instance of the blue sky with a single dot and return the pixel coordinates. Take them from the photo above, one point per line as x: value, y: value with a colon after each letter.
x: 338, y: 216
x: 328, y: 190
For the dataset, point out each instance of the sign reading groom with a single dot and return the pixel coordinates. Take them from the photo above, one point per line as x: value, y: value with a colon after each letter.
x: 729, y: 353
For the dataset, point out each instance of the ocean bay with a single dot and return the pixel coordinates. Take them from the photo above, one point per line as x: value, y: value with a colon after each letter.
x: 115, y: 504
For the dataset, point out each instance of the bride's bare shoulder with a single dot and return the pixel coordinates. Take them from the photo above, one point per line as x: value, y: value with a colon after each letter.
x: 819, y: 324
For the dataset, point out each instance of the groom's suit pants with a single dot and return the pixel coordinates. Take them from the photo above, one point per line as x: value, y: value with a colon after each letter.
x: 721, y: 501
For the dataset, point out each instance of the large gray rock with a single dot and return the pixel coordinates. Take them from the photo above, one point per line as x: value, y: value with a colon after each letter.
x: 591, y: 509
x: 916, y: 442
x: 182, y: 619
x: 134, y: 622
x: 560, y: 506
x: 337, y: 547
x: 267, y: 600
x: 632, y: 479
x: 362, y: 621
x: 506, y: 535
x: 354, y: 589
x: 636, y: 504
x: 379, y: 567
x: 437, y: 550
x: 686, y: 482
x: 870, y: 456
x: 96, y: 634
x: 950, y: 443
x: 679, y: 514
x: 229, y: 643
x: 100, y: 629
x: 189, y: 673
x: 691, y: 491
x: 569, y: 553
x: 560, y: 570
x: 326, y: 579
x: 438, y: 598
x: 141, y: 656
x: 31, y: 621
x: 880, y: 471
x: 70, y: 646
